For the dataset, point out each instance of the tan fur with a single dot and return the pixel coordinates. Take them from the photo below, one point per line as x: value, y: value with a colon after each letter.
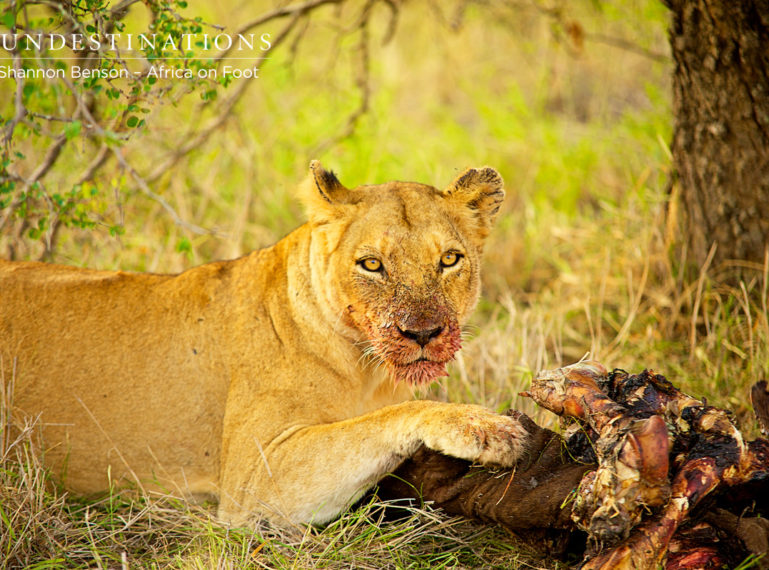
x: 280, y: 382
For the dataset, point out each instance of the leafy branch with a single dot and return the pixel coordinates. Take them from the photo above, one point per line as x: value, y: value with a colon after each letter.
x: 56, y: 118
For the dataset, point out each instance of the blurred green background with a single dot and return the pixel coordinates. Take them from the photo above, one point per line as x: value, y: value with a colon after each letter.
x: 560, y: 99
x: 569, y: 100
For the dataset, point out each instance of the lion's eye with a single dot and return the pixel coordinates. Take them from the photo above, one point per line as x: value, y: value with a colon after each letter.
x: 450, y: 258
x: 371, y: 264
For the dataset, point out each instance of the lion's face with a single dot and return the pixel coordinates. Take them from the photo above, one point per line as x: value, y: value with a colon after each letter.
x: 398, y: 265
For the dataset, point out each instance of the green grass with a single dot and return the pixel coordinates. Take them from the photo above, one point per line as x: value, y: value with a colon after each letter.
x: 581, y: 261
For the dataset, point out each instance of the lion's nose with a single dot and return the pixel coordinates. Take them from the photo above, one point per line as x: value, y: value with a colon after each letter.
x: 421, y: 337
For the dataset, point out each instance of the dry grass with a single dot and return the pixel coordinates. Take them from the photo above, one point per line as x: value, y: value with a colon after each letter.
x: 41, y: 527
x: 708, y: 338
x: 624, y: 300
x: 581, y: 261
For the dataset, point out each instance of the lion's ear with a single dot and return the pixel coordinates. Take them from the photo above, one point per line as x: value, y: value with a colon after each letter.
x: 322, y: 192
x: 482, y: 191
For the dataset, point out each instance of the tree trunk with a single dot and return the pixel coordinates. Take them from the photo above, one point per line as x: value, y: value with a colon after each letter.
x: 721, y: 136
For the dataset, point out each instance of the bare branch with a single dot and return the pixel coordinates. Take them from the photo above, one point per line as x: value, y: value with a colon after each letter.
x: 362, y: 81
x: 52, y: 118
x: 157, y: 197
x: 392, y: 24
x: 20, y: 110
x: 627, y: 46
x: 295, y: 11
x: 556, y: 13
x: 51, y: 155
x: 142, y: 184
x: 193, y: 141
x: 98, y: 161
x: 118, y: 11
x: 293, y: 49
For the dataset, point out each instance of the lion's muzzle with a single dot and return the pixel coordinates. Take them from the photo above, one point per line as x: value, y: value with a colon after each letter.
x: 417, y: 348
x: 421, y: 336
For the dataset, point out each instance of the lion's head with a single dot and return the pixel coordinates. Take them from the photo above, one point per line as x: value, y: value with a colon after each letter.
x: 397, y: 264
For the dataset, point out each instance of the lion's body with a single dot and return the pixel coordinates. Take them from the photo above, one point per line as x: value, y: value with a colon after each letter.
x: 250, y: 379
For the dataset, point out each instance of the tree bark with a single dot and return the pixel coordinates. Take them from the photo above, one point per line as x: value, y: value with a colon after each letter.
x: 721, y: 135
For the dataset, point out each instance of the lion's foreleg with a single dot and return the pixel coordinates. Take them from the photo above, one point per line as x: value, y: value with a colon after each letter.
x: 312, y: 473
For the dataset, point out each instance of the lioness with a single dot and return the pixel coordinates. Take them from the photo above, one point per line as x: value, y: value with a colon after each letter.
x: 281, y: 382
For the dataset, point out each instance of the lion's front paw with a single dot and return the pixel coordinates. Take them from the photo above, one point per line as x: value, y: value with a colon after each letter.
x: 475, y: 434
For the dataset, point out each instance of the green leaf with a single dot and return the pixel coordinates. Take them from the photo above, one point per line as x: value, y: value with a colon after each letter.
x: 184, y: 245
x: 72, y: 129
x: 9, y: 19
x: 132, y: 121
